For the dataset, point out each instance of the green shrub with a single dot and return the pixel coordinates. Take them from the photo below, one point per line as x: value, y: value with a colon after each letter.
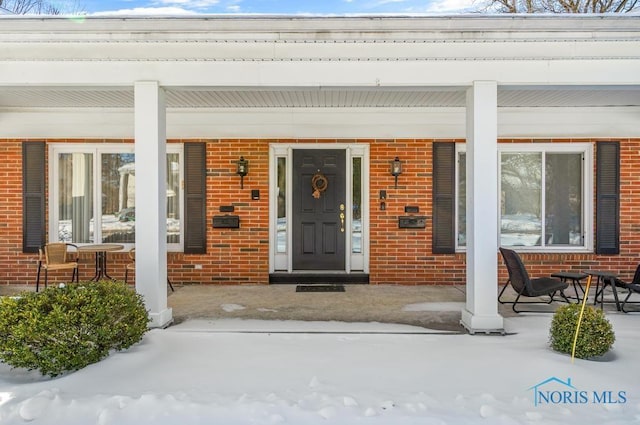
x: 66, y: 329
x: 596, y: 334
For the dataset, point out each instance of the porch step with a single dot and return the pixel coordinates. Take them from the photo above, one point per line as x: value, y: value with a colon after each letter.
x: 319, y: 278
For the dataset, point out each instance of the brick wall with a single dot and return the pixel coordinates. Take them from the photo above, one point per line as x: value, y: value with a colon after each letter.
x: 404, y: 255
x: 236, y: 256
x: 13, y: 264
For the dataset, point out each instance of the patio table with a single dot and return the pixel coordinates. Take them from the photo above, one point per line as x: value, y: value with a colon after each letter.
x: 100, y: 251
x: 574, y: 278
x: 607, y: 278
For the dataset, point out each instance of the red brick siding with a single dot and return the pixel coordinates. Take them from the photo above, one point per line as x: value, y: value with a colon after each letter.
x: 13, y: 264
x: 237, y: 256
x: 404, y: 255
x: 234, y: 256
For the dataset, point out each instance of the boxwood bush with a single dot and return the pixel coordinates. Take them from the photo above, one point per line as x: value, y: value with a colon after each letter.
x: 596, y: 333
x: 67, y: 328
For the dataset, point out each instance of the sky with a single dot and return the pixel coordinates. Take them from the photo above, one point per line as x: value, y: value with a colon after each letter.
x: 288, y: 7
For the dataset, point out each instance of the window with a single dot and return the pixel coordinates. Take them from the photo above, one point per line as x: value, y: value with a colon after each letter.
x: 281, y: 244
x: 356, y: 202
x: 85, y: 179
x: 544, y: 192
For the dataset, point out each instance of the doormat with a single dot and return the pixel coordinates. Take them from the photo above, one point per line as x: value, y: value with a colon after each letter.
x: 320, y: 288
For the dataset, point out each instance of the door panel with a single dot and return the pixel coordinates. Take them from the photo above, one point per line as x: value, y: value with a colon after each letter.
x: 329, y: 238
x: 308, y: 238
x: 318, y: 231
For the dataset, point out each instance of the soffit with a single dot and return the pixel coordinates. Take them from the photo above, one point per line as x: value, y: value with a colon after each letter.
x: 382, y: 97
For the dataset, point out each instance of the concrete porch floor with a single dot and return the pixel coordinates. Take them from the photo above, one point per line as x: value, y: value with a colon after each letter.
x: 432, y: 307
x: 436, y: 307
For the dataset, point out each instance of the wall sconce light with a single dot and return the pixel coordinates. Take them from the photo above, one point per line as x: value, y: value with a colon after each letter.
x: 242, y: 169
x: 396, y: 169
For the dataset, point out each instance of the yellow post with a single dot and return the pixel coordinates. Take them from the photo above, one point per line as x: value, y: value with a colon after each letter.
x: 584, y: 303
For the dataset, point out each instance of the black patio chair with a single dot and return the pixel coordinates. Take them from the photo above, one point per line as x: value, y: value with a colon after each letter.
x: 527, y: 287
x: 633, y: 287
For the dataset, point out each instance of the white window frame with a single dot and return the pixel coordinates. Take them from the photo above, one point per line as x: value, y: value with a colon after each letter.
x: 585, y: 149
x: 96, y: 149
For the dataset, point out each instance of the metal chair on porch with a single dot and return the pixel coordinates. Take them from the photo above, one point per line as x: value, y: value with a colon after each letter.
x: 527, y: 287
x: 57, y: 256
x: 131, y: 266
x: 633, y: 287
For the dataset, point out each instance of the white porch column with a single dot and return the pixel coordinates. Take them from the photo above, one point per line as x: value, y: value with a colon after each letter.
x: 481, y: 313
x: 151, y: 200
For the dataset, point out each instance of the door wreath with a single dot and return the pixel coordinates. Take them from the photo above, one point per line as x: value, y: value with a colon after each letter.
x: 319, y: 184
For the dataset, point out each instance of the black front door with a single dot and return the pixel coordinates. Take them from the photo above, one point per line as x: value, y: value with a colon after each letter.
x: 319, y: 209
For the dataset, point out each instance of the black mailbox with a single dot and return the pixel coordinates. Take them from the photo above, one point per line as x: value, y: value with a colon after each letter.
x: 226, y: 221
x: 412, y: 222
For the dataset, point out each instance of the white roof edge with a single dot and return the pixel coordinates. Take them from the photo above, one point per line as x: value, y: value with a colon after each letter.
x: 303, y: 23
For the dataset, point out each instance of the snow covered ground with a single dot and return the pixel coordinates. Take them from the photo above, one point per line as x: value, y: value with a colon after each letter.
x: 210, y: 372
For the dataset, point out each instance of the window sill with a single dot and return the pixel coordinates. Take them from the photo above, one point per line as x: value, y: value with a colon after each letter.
x: 534, y: 250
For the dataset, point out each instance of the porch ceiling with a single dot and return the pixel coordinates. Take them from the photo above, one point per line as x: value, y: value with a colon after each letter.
x: 330, y: 97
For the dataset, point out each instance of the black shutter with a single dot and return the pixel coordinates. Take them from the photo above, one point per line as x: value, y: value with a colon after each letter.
x: 195, y: 192
x: 608, y: 198
x: 444, y: 198
x: 33, y: 190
